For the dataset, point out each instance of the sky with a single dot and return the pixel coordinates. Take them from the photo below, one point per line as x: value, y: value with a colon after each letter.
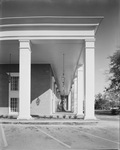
x: 108, y: 33
x: 107, y: 42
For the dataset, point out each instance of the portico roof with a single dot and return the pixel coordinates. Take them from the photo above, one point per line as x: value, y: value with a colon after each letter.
x: 51, y: 35
x: 50, y: 22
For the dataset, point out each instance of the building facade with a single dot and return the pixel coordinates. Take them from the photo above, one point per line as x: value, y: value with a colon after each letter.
x: 34, y: 75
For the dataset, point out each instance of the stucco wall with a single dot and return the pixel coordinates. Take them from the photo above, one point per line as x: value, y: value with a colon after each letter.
x: 41, y: 92
x: 4, y: 83
x: 40, y: 88
x: 42, y: 104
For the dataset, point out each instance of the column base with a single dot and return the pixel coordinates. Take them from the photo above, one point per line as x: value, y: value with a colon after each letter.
x: 80, y: 116
x: 90, y: 118
x: 24, y: 117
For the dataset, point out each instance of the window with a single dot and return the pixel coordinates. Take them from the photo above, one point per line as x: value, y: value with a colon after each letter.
x: 14, y: 83
x: 14, y: 104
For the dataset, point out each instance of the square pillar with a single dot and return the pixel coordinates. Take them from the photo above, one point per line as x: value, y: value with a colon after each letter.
x: 69, y: 101
x: 53, y: 95
x: 80, y: 75
x: 75, y: 95
x: 89, y: 58
x: 25, y: 79
x: 72, y: 98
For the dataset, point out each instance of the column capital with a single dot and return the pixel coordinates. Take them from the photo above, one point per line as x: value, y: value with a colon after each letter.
x: 24, y: 40
x: 80, y: 68
x: 25, y: 44
x: 53, y: 79
x: 75, y: 78
x: 73, y: 85
x: 90, y: 40
x: 56, y: 85
x: 90, y: 44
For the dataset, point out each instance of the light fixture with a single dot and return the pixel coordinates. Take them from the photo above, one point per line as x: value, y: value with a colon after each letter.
x: 63, y: 77
x: 9, y: 77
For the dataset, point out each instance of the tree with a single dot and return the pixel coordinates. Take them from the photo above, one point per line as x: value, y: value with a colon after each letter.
x: 115, y: 72
x: 105, y: 101
x: 114, y: 88
x: 99, y: 101
x: 112, y: 99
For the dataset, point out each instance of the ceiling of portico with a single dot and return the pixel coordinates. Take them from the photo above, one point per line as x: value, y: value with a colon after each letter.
x: 48, y: 52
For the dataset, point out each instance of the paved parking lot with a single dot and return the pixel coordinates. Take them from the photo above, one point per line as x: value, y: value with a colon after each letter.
x: 101, y: 135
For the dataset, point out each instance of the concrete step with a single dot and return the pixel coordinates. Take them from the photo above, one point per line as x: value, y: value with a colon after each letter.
x: 54, y: 116
x: 48, y: 122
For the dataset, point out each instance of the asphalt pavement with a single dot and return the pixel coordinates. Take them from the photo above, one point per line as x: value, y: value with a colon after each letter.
x: 101, y: 135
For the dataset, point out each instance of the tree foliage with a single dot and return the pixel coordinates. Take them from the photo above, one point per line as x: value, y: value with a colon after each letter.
x: 111, y: 97
x: 100, y: 102
x: 106, y: 101
x: 113, y: 91
x: 115, y: 72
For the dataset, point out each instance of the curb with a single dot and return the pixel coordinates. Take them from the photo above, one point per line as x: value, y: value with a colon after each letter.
x: 49, y: 122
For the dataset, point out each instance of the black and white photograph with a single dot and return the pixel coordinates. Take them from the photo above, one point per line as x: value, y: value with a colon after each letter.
x: 59, y: 74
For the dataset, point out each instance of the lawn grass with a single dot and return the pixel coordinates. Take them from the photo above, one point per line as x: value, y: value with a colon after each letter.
x: 103, y: 112
x: 106, y: 115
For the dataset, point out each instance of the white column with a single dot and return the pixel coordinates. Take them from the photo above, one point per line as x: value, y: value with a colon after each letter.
x: 89, y: 79
x: 75, y: 95
x: 69, y: 101
x: 72, y: 98
x: 53, y: 95
x: 80, y: 91
x: 25, y: 79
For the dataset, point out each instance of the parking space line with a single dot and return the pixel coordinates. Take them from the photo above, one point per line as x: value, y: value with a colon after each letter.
x: 3, y: 136
x: 97, y: 136
x: 53, y: 138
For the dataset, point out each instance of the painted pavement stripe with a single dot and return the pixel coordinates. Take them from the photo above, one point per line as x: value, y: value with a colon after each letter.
x: 3, y: 136
x: 98, y: 136
x: 53, y: 137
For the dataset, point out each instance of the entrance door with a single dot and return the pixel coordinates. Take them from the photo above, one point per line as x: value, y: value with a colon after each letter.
x: 14, y: 94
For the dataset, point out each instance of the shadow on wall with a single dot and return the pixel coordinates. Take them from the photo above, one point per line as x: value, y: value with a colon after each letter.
x: 42, y: 104
x: 41, y: 100
x: 41, y: 89
x: 4, y: 83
